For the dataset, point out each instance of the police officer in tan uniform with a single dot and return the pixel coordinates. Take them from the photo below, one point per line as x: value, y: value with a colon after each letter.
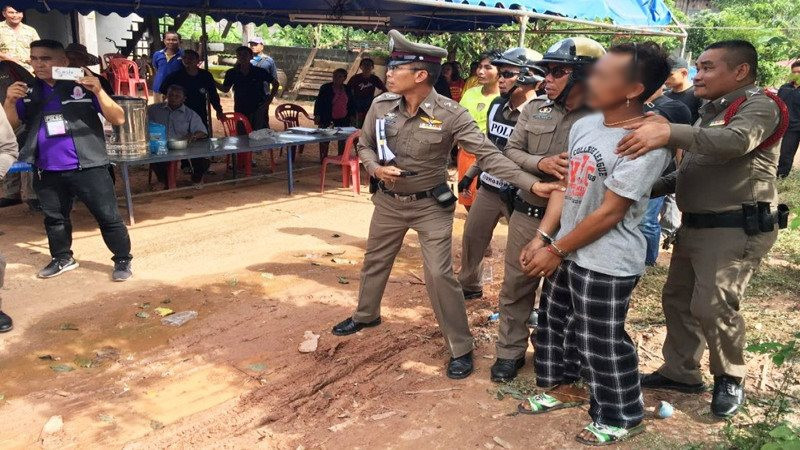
x: 519, y: 77
x: 405, y: 144
x: 9, y: 150
x: 538, y: 144
x: 725, y: 187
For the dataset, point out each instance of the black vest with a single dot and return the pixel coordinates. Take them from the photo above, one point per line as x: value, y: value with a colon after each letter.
x: 79, y: 112
x: 499, y: 128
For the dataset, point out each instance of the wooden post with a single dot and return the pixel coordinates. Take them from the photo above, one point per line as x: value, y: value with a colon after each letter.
x: 302, y: 75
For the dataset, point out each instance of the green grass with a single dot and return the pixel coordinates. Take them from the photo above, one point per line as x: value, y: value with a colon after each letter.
x: 645, y: 311
x: 788, y: 245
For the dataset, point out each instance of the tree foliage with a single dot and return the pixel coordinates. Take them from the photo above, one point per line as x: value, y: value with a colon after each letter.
x: 768, y: 24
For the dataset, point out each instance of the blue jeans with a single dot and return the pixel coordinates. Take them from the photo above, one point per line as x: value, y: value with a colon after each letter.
x: 651, y: 229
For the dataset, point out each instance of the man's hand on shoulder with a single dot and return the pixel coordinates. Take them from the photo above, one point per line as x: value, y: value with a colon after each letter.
x: 649, y: 134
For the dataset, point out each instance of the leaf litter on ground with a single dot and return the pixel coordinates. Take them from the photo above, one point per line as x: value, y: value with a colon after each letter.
x: 68, y: 327
x: 62, y: 368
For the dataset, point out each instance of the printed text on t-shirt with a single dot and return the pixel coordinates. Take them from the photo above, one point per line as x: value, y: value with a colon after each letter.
x: 585, y: 165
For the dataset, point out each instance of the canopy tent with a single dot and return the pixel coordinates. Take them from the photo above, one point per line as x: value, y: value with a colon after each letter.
x: 420, y: 16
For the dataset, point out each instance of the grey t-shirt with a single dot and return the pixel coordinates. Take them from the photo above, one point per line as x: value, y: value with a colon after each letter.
x: 594, y: 169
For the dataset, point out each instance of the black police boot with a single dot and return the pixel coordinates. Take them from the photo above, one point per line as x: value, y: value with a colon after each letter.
x: 728, y: 396
x: 6, y: 324
x: 6, y: 202
x: 460, y: 367
x: 657, y: 381
x: 473, y: 295
x: 504, y: 370
x: 350, y: 326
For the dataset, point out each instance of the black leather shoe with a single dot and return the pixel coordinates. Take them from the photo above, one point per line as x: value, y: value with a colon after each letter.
x: 6, y: 324
x: 504, y: 370
x: 472, y: 295
x: 460, y: 367
x: 6, y: 202
x: 657, y: 381
x: 728, y: 396
x: 349, y: 326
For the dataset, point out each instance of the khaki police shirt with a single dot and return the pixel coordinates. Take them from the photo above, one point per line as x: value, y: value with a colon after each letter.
x: 9, y: 151
x: 509, y: 113
x: 422, y: 142
x: 721, y: 169
x: 541, y: 131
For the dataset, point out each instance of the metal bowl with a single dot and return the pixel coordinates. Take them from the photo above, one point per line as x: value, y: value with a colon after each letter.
x: 328, y: 131
x: 177, y: 144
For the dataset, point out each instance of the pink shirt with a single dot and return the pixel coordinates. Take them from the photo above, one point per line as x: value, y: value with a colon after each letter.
x: 339, y: 104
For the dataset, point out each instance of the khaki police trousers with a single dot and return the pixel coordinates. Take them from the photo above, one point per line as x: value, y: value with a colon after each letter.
x: 518, y: 294
x: 391, y: 220
x: 2, y: 277
x: 486, y: 211
x: 708, y: 274
x: 19, y: 186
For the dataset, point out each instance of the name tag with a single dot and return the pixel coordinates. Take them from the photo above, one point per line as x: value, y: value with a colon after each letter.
x: 430, y: 126
x: 55, y: 125
x: 717, y: 123
x: 493, y: 181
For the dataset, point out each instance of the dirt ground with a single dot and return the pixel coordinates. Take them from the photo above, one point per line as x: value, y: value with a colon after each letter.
x: 261, y: 268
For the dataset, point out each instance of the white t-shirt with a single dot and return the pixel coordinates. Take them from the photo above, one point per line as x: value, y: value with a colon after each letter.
x: 594, y: 168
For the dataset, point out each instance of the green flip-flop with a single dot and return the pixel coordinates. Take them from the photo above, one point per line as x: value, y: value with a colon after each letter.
x: 545, y: 403
x: 608, y: 435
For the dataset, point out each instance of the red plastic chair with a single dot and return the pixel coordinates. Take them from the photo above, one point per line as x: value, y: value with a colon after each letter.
x: 289, y: 115
x: 126, y: 73
x: 351, y: 170
x: 231, y: 122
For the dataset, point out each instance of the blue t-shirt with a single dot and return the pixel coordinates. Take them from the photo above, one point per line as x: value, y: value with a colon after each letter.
x: 164, y: 67
x: 267, y: 63
x: 56, y: 153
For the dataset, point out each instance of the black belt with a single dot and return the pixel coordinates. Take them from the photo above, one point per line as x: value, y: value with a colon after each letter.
x: 731, y: 219
x: 406, y: 198
x: 520, y: 205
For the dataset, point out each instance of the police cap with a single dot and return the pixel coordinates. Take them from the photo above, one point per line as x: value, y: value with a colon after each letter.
x: 402, y: 51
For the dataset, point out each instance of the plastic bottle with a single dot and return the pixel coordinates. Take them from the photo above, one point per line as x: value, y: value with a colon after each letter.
x: 178, y: 319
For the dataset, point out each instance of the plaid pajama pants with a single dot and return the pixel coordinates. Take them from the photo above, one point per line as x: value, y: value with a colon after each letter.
x: 582, y: 335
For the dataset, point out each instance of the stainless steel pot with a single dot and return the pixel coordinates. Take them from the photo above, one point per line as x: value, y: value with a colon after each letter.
x: 129, y: 140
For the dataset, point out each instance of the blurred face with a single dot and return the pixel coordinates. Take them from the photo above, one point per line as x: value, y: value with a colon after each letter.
x: 338, y: 78
x: 508, y: 78
x: 190, y: 60
x: 171, y: 41
x: 556, y: 80
x: 715, y: 78
x: 244, y: 56
x: 404, y: 78
x: 487, y: 73
x: 609, y: 84
x: 367, y: 67
x: 77, y: 59
x: 795, y: 75
x: 44, y: 59
x: 175, y: 98
x: 12, y: 16
x: 676, y: 78
x: 256, y: 47
x: 447, y: 72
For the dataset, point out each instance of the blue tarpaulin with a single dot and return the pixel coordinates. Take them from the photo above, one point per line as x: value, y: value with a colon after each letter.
x: 403, y: 16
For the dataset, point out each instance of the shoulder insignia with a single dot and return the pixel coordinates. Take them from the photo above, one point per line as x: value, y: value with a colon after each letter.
x: 753, y: 92
x: 387, y: 96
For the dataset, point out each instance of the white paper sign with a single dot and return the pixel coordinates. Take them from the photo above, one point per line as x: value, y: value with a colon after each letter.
x: 67, y: 73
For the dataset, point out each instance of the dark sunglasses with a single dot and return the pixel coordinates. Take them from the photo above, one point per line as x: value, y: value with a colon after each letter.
x: 558, y: 72
x: 509, y: 74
